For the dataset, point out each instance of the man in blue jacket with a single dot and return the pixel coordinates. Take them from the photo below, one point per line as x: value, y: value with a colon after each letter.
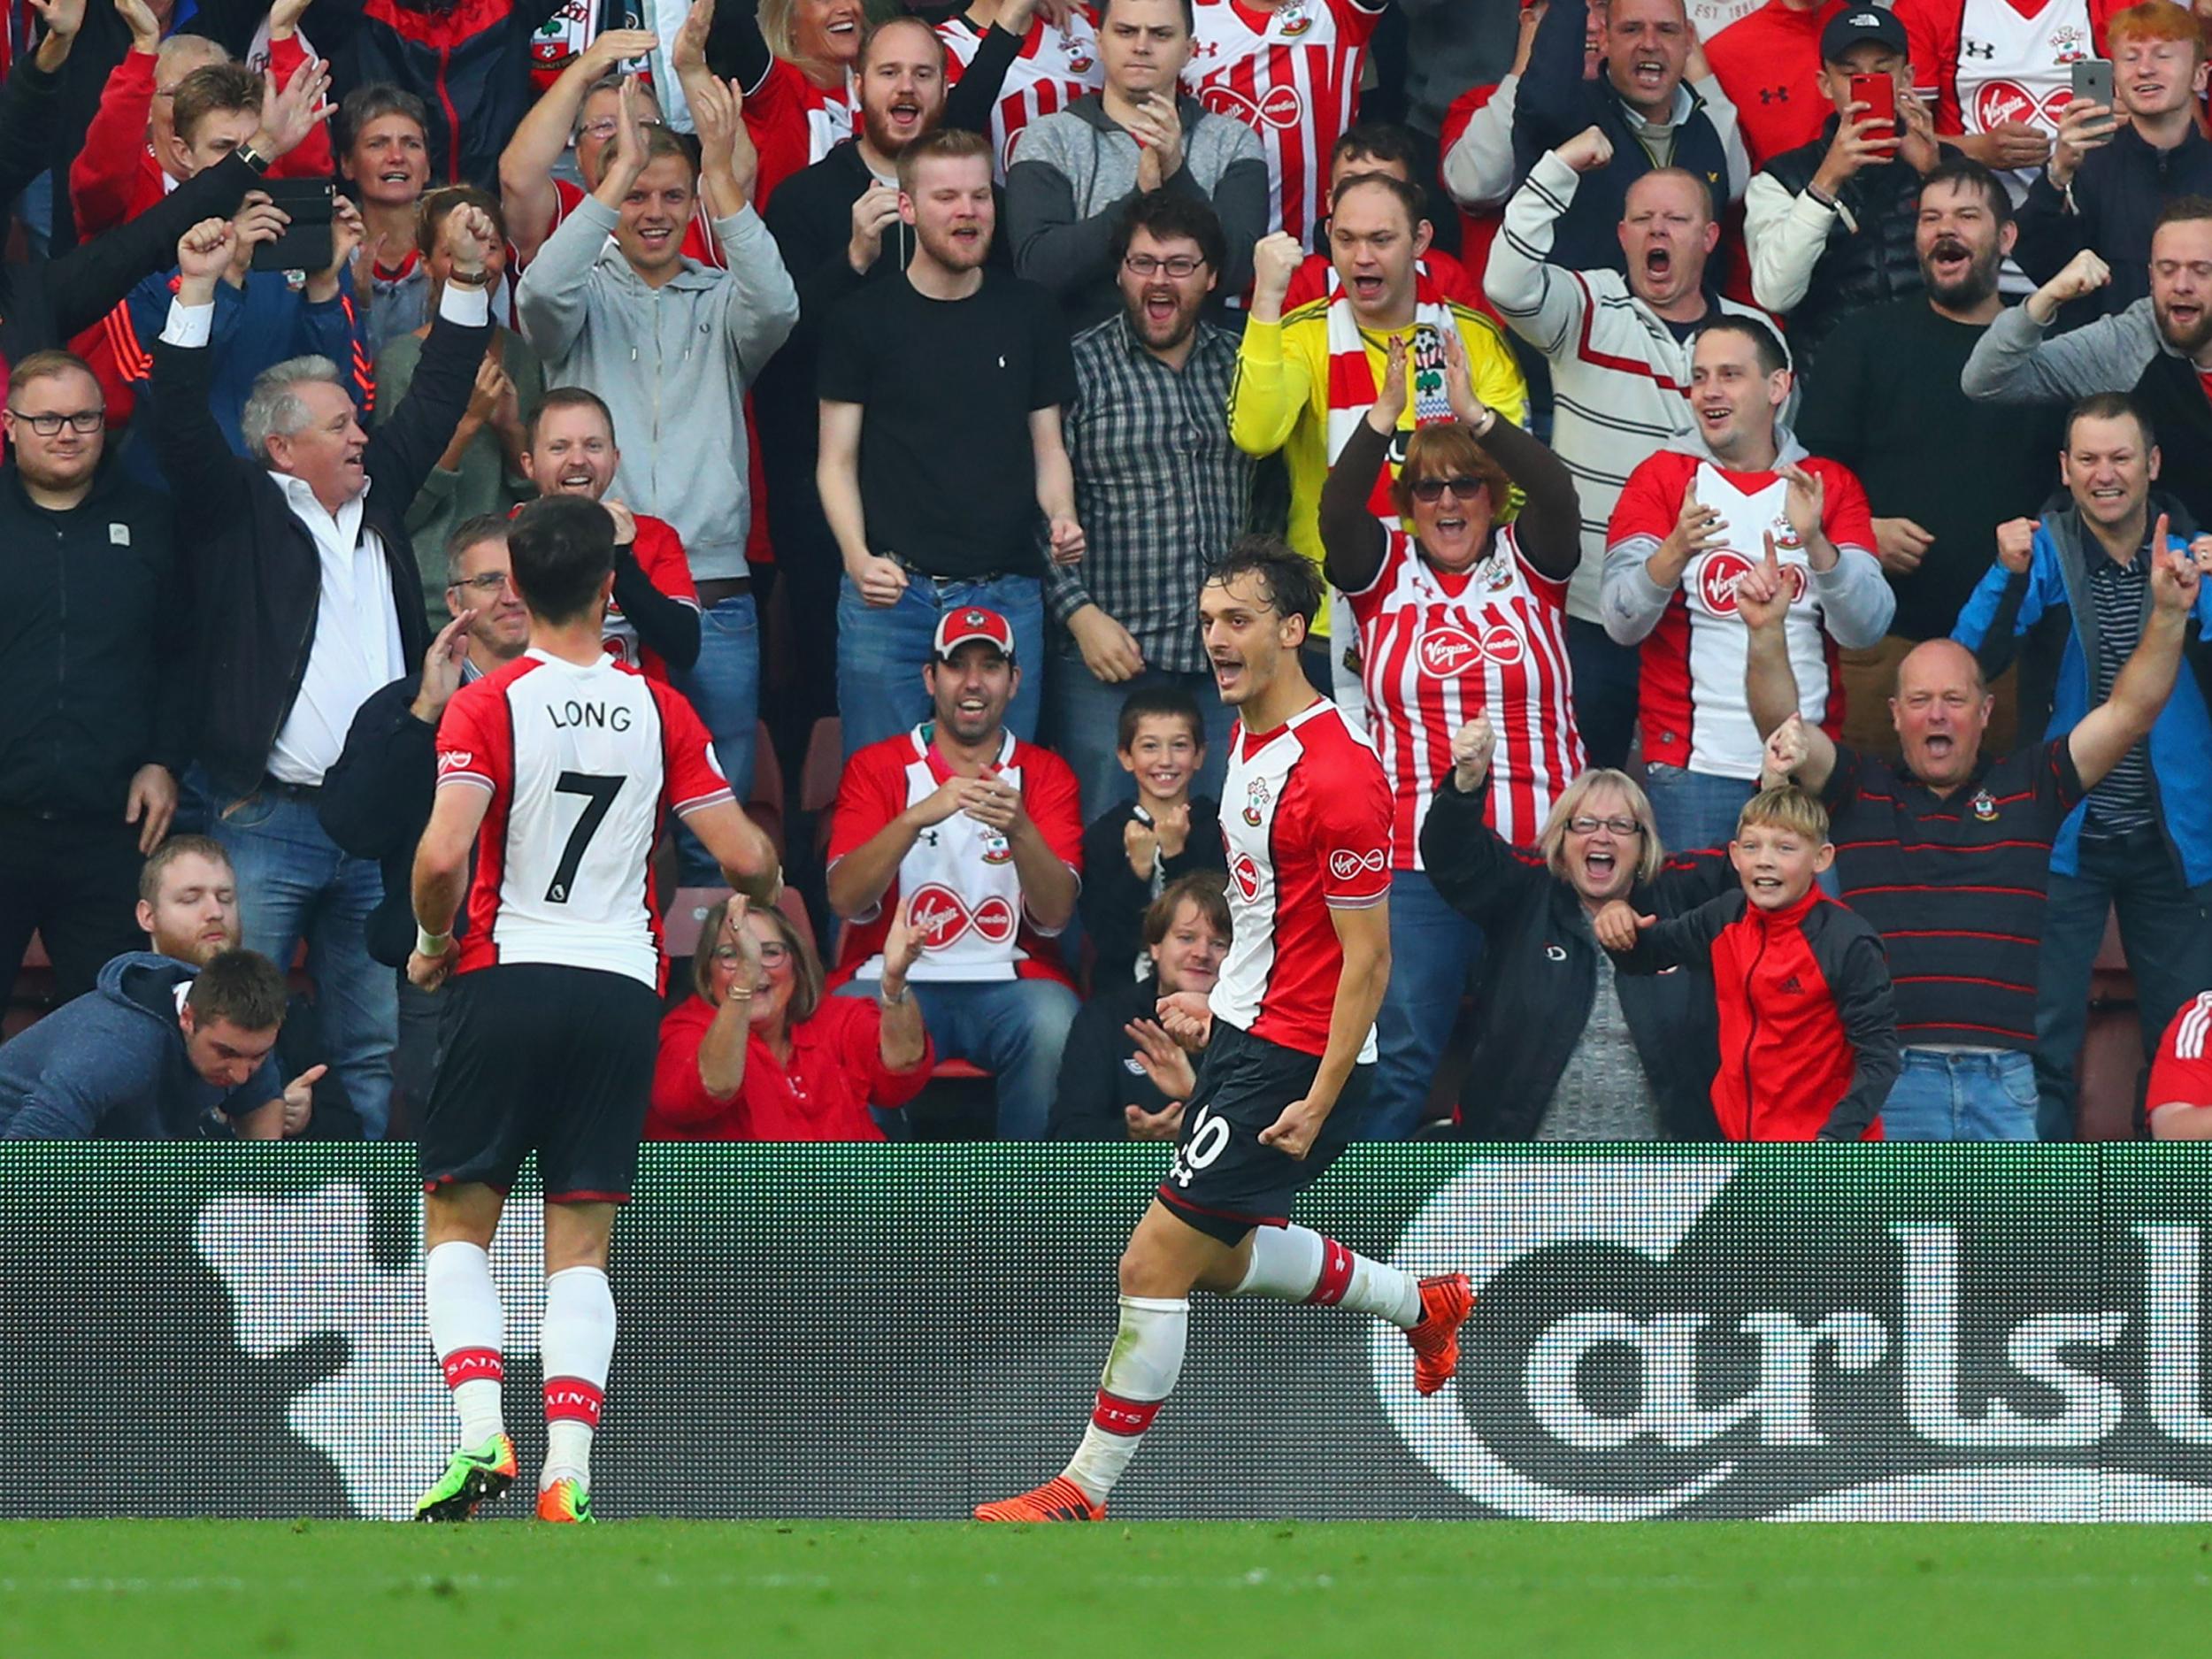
x: 2075, y: 588
x: 161, y: 1051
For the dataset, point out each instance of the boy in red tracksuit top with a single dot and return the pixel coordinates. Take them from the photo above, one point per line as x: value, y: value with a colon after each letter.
x: 1808, y: 1038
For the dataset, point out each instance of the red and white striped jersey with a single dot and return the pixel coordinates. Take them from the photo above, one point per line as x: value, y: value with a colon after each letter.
x: 1982, y: 63
x: 1438, y: 649
x: 1305, y: 824
x: 1055, y: 66
x: 1691, y: 699
x: 581, y: 762
x: 2181, y: 1073
x: 1291, y: 73
x: 959, y: 879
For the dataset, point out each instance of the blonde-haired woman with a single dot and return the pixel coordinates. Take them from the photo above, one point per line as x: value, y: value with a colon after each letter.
x: 1563, y: 1049
x: 759, y: 1054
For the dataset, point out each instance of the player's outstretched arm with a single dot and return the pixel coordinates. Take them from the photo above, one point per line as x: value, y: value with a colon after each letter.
x: 742, y: 847
x: 1364, y: 934
x: 440, y: 876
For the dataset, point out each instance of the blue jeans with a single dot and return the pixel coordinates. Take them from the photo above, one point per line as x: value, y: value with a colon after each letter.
x: 724, y: 685
x: 1605, y: 681
x: 1939, y: 1096
x: 2166, y: 930
x: 1084, y: 718
x: 1014, y: 1029
x: 293, y: 883
x: 1434, y: 950
x: 882, y: 650
x: 1693, y: 809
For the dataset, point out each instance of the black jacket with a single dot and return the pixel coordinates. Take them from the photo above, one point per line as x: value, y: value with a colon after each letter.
x: 1114, y: 897
x: 94, y: 666
x: 1097, y: 1076
x: 254, y: 564
x: 44, y: 306
x: 1554, y: 103
x: 375, y: 803
x: 1539, y: 978
x: 811, y: 216
x: 2118, y: 194
x: 1860, y: 266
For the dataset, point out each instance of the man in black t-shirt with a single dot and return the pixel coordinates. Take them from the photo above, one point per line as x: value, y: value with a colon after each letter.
x: 1940, y: 470
x: 1946, y: 852
x: 941, y: 447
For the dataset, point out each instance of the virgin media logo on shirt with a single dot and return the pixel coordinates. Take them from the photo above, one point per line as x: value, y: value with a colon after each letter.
x: 1282, y: 107
x: 1346, y: 865
x: 1717, y: 580
x: 941, y: 915
x: 1247, y: 874
x: 2000, y: 101
x: 1448, y: 649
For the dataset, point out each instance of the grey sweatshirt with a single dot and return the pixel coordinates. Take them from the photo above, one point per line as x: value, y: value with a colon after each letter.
x: 2014, y: 364
x: 1073, y: 173
x: 673, y: 363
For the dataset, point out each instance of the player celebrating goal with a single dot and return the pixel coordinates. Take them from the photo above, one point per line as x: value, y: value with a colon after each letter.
x: 557, y: 769
x: 1305, y: 821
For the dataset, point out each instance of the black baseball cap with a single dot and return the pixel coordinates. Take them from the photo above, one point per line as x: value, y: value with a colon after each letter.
x: 1859, y: 24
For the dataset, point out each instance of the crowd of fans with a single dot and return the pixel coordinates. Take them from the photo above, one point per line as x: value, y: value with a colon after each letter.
x: 1757, y: 480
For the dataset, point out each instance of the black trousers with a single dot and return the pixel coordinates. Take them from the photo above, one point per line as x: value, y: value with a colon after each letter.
x: 74, y: 883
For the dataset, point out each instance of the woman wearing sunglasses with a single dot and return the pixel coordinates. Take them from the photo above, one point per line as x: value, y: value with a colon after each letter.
x: 760, y: 1054
x: 1465, y: 616
x: 1563, y: 1050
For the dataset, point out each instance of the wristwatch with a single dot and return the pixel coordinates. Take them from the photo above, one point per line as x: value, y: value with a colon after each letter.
x: 253, y: 158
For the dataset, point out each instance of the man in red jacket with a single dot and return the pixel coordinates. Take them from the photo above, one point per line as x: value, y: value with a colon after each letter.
x: 1807, y: 1036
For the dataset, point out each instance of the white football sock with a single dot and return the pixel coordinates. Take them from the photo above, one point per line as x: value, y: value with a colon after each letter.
x: 468, y: 1328
x: 1140, y: 1374
x: 576, y: 1344
x: 1295, y: 1263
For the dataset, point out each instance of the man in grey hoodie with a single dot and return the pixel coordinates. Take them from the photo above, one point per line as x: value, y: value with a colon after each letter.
x: 1074, y: 172
x: 611, y: 303
x: 160, y: 1050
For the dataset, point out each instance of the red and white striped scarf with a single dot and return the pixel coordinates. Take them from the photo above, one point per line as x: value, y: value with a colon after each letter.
x: 1352, y: 386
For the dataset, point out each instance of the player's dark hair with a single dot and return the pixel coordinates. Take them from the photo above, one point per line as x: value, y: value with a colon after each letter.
x: 2111, y: 406
x: 563, y: 548
x: 571, y: 397
x: 1385, y: 142
x: 177, y: 846
x: 1159, y: 702
x: 1968, y: 173
x: 1764, y: 341
x: 1190, y: 17
x: 1169, y: 216
x: 1204, y: 889
x: 1293, y: 584
x: 242, y: 986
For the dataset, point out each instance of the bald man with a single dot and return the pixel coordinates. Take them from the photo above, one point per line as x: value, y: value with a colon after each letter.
x: 1947, y: 854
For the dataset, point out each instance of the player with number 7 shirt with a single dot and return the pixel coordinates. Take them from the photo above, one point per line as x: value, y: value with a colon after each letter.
x: 556, y: 773
x: 1288, y: 1032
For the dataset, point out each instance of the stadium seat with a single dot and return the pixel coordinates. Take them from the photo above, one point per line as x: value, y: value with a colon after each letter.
x: 765, y: 804
x: 818, y: 779
x: 2108, y: 1104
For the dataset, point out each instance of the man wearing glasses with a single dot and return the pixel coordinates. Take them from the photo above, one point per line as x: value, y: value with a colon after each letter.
x: 92, y: 706
x: 1159, y: 490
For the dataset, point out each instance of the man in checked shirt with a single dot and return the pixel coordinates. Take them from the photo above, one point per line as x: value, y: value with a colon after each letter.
x: 1160, y: 491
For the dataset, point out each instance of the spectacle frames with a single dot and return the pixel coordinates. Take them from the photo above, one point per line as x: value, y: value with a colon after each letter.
x: 1145, y: 265
x: 84, y: 420
x: 489, y: 583
x: 772, y: 956
x: 1464, y: 487
x: 1619, y: 826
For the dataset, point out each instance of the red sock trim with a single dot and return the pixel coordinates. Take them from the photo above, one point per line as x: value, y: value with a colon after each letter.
x: 1126, y: 1417
x: 1336, y: 1275
x: 471, y: 1364
x: 573, y: 1399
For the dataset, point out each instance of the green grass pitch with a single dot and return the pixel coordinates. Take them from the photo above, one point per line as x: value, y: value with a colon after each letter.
x: 642, y: 1589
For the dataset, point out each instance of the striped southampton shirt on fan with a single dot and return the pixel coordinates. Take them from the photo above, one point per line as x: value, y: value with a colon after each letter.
x: 1055, y: 65
x: 1291, y: 73
x: 1438, y: 649
x: 2181, y: 1073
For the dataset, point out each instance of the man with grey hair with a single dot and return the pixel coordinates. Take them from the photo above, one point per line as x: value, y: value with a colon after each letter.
x: 312, y: 601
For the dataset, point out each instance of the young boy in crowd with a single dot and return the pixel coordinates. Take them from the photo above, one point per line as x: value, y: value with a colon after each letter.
x: 1139, y: 848
x: 1808, y: 1038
